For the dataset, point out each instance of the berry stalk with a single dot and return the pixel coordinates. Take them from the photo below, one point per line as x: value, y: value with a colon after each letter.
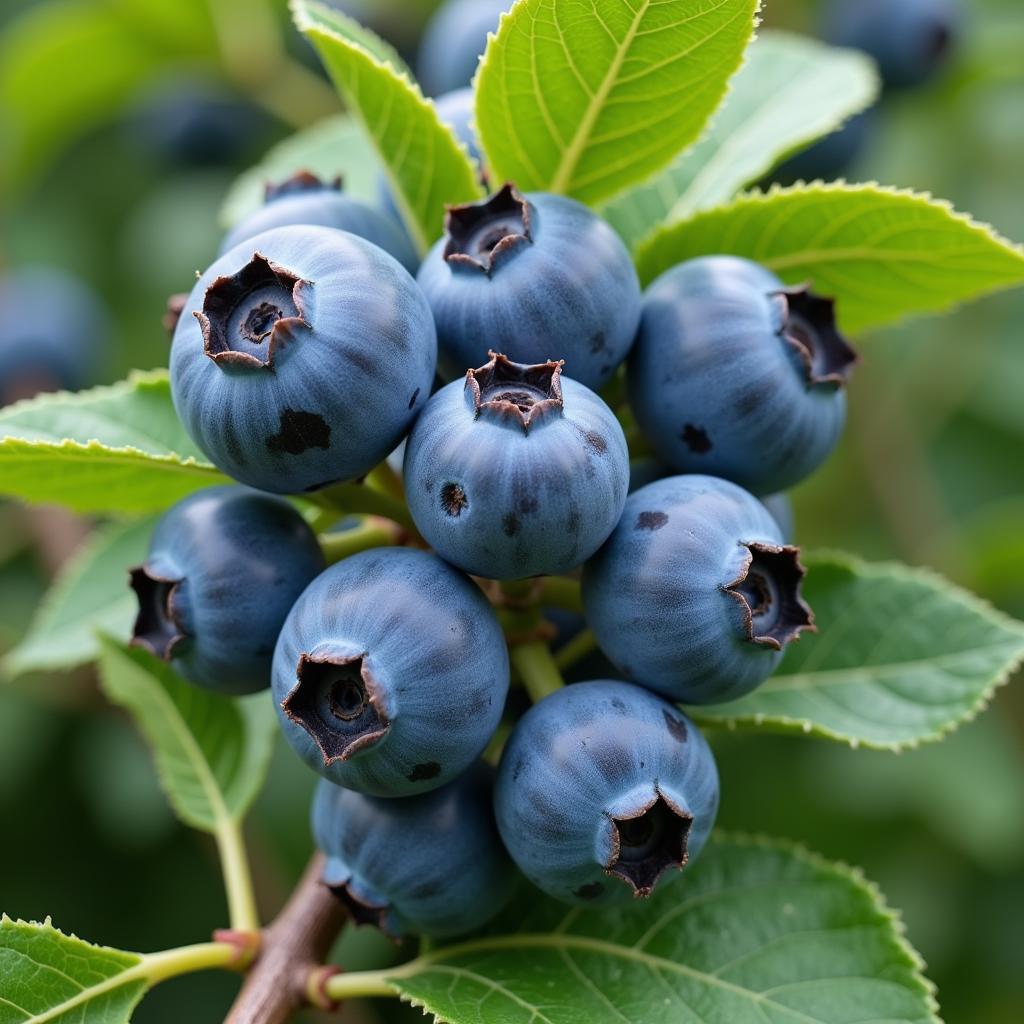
x: 537, y: 669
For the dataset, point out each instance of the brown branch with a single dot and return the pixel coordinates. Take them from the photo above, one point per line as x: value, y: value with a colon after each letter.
x: 297, y: 942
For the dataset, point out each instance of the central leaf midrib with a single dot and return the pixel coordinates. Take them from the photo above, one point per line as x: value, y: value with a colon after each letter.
x: 574, y: 151
x: 439, y: 959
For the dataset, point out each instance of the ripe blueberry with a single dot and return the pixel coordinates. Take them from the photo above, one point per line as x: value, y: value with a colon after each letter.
x: 454, y: 42
x: 53, y: 332
x: 301, y: 358
x: 603, y: 790
x: 432, y: 863
x: 516, y: 471
x: 305, y: 199
x: 911, y: 40
x: 735, y: 375
x: 390, y: 673
x: 695, y: 594
x: 225, y: 565
x: 537, y: 277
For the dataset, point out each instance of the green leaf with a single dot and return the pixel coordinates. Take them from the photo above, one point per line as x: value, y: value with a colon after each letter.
x: 46, y: 975
x: 883, y: 253
x: 427, y: 167
x: 790, y: 91
x: 333, y: 147
x: 756, y: 932
x: 586, y: 97
x: 90, y: 594
x: 113, y: 49
x: 901, y: 657
x: 118, y: 449
x: 211, y: 751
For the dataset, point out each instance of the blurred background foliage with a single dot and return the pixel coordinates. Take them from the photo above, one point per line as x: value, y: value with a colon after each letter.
x: 113, y: 187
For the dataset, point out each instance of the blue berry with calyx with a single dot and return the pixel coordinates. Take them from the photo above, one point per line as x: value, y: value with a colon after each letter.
x: 306, y: 199
x: 605, y: 791
x: 301, y: 358
x: 391, y: 672
x: 911, y: 40
x: 431, y: 864
x: 224, y: 567
x: 53, y: 332
x: 736, y: 375
x: 535, y: 276
x: 516, y: 471
x: 696, y: 594
x: 454, y: 41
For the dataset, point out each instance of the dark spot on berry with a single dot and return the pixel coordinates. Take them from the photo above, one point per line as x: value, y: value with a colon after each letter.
x: 299, y: 431
x: 415, y: 395
x: 696, y: 439
x: 453, y: 499
x: 422, y: 772
x: 572, y: 524
x: 518, y: 769
x: 510, y: 525
x: 749, y: 402
x: 618, y: 704
x: 527, y: 505
x: 590, y: 891
x: 676, y: 726
x: 597, y: 342
x: 650, y: 521
x: 595, y: 442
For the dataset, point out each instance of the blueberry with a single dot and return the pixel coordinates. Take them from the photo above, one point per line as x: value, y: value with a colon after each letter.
x: 516, y: 471
x: 537, y: 277
x: 911, y: 40
x: 305, y: 199
x: 225, y: 565
x: 301, y: 358
x: 604, y: 791
x: 695, y: 594
x: 391, y: 672
x: 454, y: 42
x: 53, y: 331
x: 735, y: 375
x: 432, y: 863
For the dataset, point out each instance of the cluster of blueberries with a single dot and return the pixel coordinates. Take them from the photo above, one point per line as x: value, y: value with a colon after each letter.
x: 308, y: 352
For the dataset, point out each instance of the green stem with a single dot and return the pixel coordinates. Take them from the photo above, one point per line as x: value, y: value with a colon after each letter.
x: 372, y: 532
x: 360, y: 984
x: 578, y: 647
x: 234, y: 861
x: 157, y: 967
x: 384, y: 479
x: 561, y: 592
x: 357, y: 499
x: 537, y: 669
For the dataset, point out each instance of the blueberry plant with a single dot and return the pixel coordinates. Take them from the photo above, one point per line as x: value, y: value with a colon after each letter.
x: 605, y: 355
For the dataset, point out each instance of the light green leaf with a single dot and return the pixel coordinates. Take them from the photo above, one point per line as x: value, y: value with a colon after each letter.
x: 211, y: 751
x: 113, y: 49
x: 883, y: 253
x: 755, y: 932
x: 90, y: 594
x: 46, y: 975
x: 901, y: 657
x: 426, y: 166
x: 791, y: 91
x: 118, y: 449
x: 586, y: 97
x: 333, y: 147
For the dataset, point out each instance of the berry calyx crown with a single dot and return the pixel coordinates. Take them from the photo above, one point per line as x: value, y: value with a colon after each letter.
x: 481, y: 235
x: 522, y: 393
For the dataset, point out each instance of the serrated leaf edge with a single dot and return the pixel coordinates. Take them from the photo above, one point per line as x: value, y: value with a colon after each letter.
x: 789, y: 725
x: 136, y: 380
x: 839, y: 869
x: 126, y: 453
x: 818, y: 186
x: 305, y: 25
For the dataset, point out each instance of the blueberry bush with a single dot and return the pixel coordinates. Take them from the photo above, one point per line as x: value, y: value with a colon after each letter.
x: 463, y: 491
